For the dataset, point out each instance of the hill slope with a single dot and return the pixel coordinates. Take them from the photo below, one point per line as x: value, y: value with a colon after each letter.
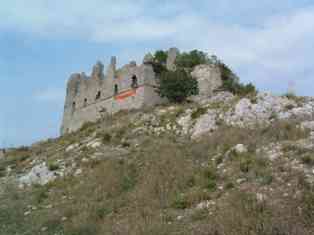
x: 226, y: 165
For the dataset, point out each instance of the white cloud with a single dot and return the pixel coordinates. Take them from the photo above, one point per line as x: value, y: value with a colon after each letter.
x: 242, y: 32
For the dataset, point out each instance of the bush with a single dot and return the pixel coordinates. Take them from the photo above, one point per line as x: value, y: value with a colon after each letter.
x: 160, y: 60
x: 237, y: 88
x: 227, y: 73
x: 177, y: 85
x: 308, y: 159
x: 231, y: 82
x: 198, y: 112
x: 180, y: 202
x: 192, y: 58
x: 160, y: 57
x: 210, y: 175
x: 105, y: 137
x: 53, y: 166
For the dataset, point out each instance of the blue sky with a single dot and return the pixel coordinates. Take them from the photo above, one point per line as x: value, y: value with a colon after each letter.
x: 267, y: 42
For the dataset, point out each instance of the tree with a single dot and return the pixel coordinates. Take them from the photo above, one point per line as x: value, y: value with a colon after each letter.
x: 177, y: 85
x: 160, y: 57
x: 231, y: 82
x: 192, y: 58
x: 160, y: 60
x: 227, y: 73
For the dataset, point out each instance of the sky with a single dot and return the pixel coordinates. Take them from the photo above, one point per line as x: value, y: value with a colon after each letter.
x: 266, y: 42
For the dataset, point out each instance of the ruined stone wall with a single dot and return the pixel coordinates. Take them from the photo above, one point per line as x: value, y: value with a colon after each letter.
x: 130, y: 87
x: 208, y: 77
x: 120, y: 89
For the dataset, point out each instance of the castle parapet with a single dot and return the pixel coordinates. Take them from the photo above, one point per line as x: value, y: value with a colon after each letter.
x: 98, y: 71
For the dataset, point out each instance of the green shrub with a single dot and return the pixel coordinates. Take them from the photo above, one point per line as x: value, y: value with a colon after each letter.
x: 266, y: 179
x: 180, y: 202
x: 191, y: 59
x: 308, y: 205
x: 129, y: 178
x: 229, y: 185
x: 40, y: 194
x: 198, y: 112
x: 308, y: 159
x: 289, y: 106
x: 53, y: 166
x: 160, y: 56
x: 245, y: 164
x: 105, y: 137
x: 102, y: 212
x: 210, y: 174
x: 2, y: 172
x: 231, y: 82
x: 177, y: 85
x: 199, y: 214
x: 125, y: 144
x: 237, y: 88
x: 226, y: 72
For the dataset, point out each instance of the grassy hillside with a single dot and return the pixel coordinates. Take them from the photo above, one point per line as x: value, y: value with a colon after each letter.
x: 118, y: 177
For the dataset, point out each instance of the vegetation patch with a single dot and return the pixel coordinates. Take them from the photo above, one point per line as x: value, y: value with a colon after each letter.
x: 192, y: 59
x: 53, y: 166
x: 198, y: 112
x: 177, y: 85
x: 308, y: 159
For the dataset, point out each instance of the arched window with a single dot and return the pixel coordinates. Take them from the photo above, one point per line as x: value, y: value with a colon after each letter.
x: 134, y: 83
x: 116, y: 89
x: 85, y: 102
x: 98, y: 95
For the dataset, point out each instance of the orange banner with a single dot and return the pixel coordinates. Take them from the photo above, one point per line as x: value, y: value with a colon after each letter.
x: 125, y: 94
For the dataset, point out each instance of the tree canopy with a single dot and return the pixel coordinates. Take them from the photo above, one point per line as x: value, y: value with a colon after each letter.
x: 177, y: 85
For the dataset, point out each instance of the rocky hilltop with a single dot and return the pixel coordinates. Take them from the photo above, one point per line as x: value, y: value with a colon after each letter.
x: 223, y: 165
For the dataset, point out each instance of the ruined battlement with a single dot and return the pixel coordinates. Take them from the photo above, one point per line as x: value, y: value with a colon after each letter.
x: 130, y: 87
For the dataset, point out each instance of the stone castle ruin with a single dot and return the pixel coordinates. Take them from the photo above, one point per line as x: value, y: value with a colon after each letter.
x: 129, y: 87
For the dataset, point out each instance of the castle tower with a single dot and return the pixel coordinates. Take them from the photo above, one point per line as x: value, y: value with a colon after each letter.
x: 73, y: 90
x: 98, y: 71
x: 110, y: 79
x: 171, y: 59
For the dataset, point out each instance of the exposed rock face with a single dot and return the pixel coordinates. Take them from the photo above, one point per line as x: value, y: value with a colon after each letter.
x: 244, y: 113
x: 172, y: 55
x: 266, y: 108
x: 308, y: 125
x: 240, y: 149
x: 72, y: 147
x: 206, y: 123
x: 185, y: 121
x: 39, y: 174
x: 209, y: 79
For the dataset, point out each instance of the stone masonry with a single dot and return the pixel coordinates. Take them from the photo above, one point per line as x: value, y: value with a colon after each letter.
x: 130, y: 87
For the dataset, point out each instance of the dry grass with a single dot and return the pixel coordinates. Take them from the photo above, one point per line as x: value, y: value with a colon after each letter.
x: 146, y: 191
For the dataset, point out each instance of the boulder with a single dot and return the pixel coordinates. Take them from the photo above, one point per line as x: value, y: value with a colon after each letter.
x: 39, y: 174
x: 72, y: 147
x: 308, y: 125
x: 204, y: 124
x: 240, y: 149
